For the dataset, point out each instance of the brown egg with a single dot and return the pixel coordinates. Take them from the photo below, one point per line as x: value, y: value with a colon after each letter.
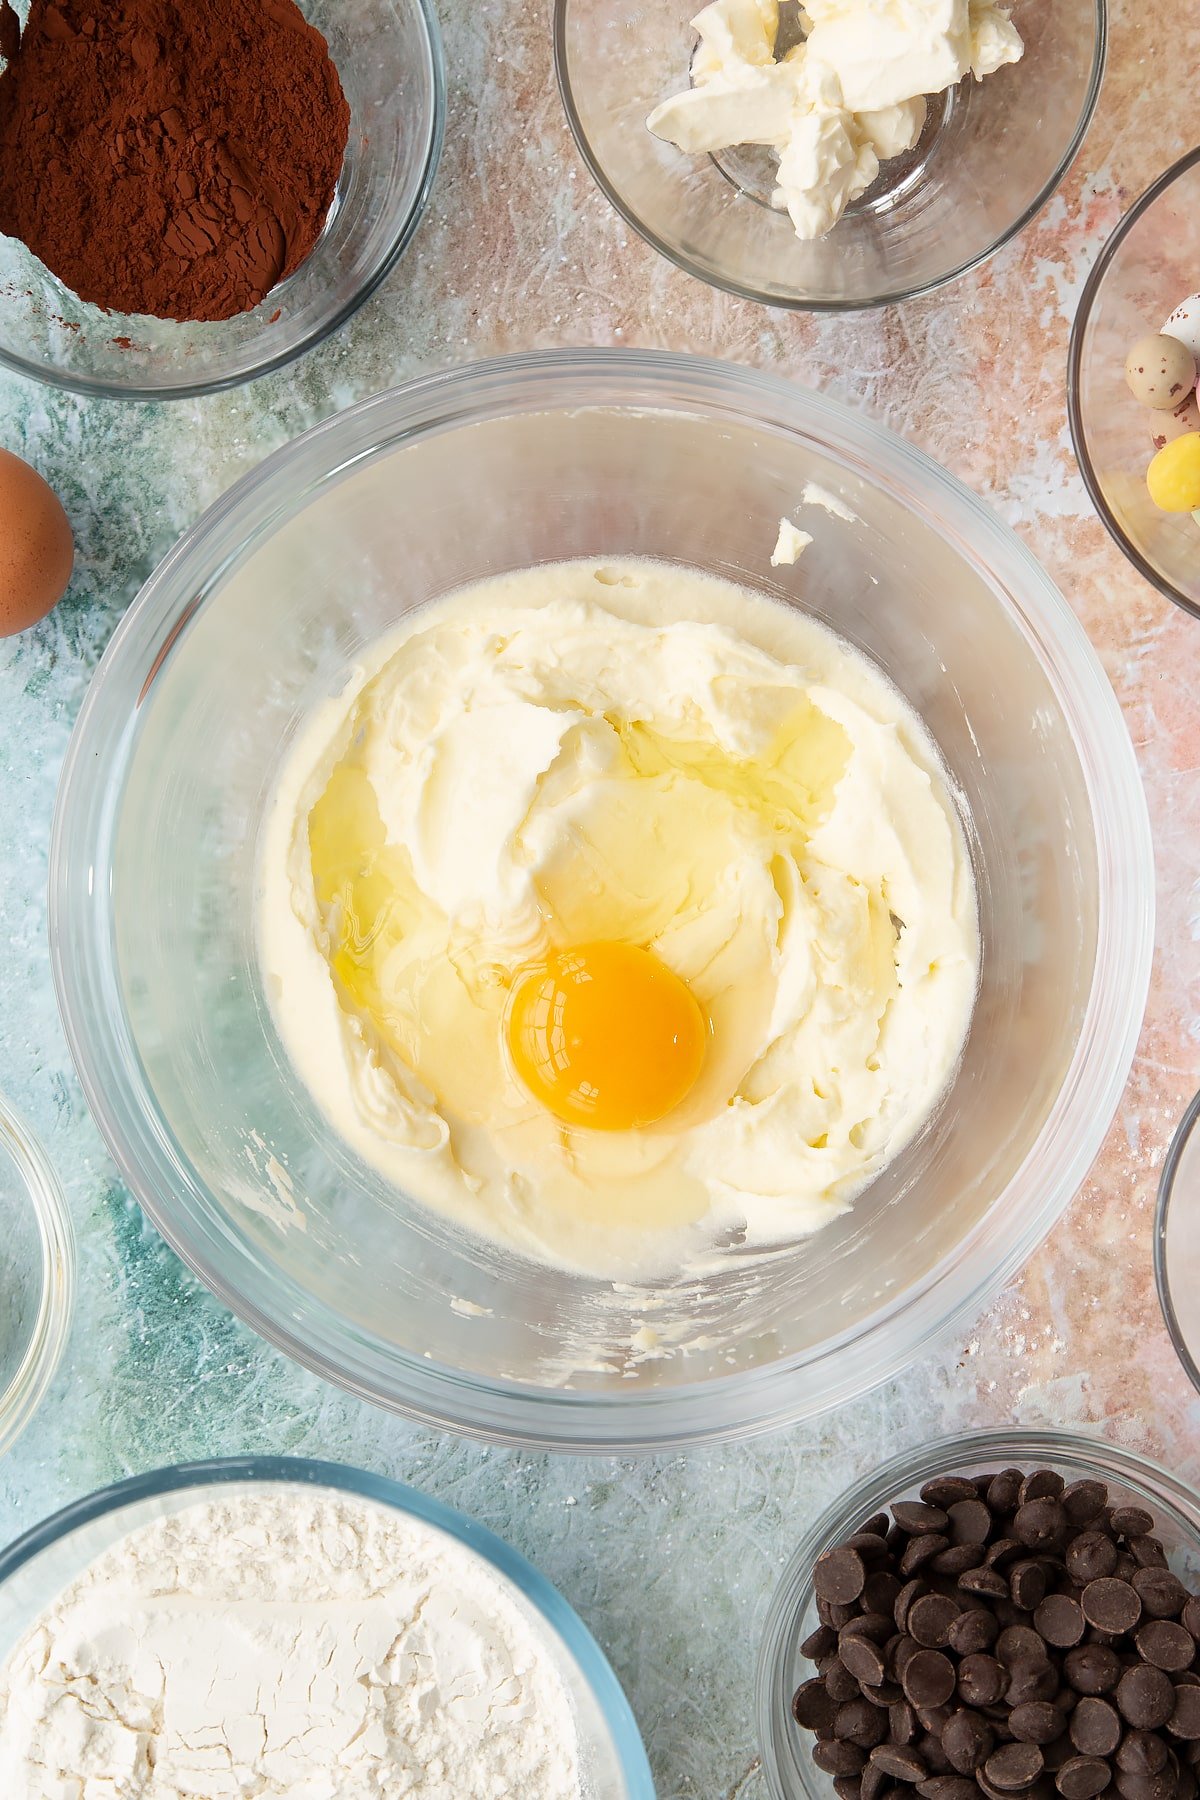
x: 36, y: 547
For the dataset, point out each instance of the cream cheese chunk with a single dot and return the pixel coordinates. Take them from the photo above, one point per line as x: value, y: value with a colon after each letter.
x: 850, y: 96
x: 635, y: 753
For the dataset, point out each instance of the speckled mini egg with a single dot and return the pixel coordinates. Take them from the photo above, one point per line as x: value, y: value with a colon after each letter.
x: 1165, y: 427
x: 1160, y: 371
x: 1184, y: 324
x: 36, y: 547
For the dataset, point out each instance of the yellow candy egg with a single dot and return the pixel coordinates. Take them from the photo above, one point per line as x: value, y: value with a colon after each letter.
x: 1174, y: 476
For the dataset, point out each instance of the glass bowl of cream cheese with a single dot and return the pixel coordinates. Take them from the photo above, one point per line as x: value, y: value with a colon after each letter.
x: 377, y: 1633
x: 834, y: 156
x: 257, y: 727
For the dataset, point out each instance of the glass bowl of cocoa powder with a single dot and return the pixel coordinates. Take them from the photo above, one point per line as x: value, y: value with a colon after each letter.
x: 223, y: 197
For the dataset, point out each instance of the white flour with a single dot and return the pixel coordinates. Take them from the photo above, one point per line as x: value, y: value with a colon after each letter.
x: 281, y: 1642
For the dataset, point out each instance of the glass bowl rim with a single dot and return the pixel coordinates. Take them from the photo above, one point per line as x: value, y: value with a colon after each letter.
x: 524, y: 1414
x: 56, y: 1242
x: 1090, y: 1452
x: 550, y: 1605
x: 795, y: 302
x: 1079, y: 436
x: 1166, y: 1190
x: 98, y: 388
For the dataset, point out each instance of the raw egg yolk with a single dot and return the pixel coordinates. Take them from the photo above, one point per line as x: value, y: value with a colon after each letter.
x: 605, y: 1035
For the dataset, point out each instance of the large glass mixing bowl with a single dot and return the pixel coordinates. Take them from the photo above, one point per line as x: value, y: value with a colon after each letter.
x: 256, y: 615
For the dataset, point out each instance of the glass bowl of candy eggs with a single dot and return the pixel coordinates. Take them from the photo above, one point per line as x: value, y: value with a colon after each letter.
x: 1134, y: 414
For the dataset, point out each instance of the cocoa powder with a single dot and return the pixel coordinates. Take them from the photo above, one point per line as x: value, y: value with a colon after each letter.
x: 171, y: 157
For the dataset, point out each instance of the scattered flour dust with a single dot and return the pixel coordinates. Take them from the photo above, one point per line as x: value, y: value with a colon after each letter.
x: 278, y: 1641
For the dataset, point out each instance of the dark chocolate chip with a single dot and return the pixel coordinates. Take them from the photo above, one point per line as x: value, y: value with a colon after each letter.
x: 878, y: 1525
x: 1082, y: 1778
x: 858, y: 1722
x: 1027, y: 1583
x: 1095, y: 1727
x: 839, y: 1682
x: 918, y: 1518
x: 1032, y: 1681
x: 1037, y: 1722
x: 1141, y: 1753
x: 958, y: 1559
x: 1090, y: 1557
x: 1042, y: 1484
x: 1166, y: 1645
x: 929, y: 1678
x: 988, y: 1582
x: 1040, y: 1523
x: 837, y: 1758
x: 885, y: 1695
x: 973, y: 1630
x: 948, y: 1787
x: 902, y: 1723
x: 920, y: 1550
x: 982, y: 1681
x: 864, y: 1658
x: 847, y: 1787
x: 876, y: 1625
x: 968, y: 1740
x: 1004, y: 1490
x: 1019, y: 1644
x: 930, y: 1619
x: 1146, y: 1787
x: 912, y: 1590
x: 839, y: 1576
x: 936, y: 1760
x: 1004, y: 1552
x: 901, y: 1656
x: 1147, y: 1553
x: 812, y: 1707
x: 946, y: 1490
x: 1163, y: 1595
x: 1059, y: 1620
x: 880, y: 1592
x: 819, y: 1643
x: 870, y: 1547
x: 1111, y: 1605
x: 970, y: 1522
x: 1014, y: 1767
x: 1184, y: 1721
x: 1083, y: 1500
x: 1146, y: 1697
x: 1191, y: 1615
x: 900, y: 1761
x: 1131, y: 1521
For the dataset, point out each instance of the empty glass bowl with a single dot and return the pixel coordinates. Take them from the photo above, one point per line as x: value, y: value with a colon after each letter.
x: 1131, y: 1480
x: 36, y: 1568
x: 37, y: 1275
x: 1177, y: 1241
x: 1149, y: 264
x: 389, y: 57
x: 260, y: 612
x: 992, y: 154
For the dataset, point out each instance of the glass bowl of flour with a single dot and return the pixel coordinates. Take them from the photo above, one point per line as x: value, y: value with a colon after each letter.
x: 895, y: 194
x: 37, y: 1274
x: 278, y: 1626
x: 228, y: 1128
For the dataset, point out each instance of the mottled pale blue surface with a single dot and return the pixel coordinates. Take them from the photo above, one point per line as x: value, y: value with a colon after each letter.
x: 670, y: 1561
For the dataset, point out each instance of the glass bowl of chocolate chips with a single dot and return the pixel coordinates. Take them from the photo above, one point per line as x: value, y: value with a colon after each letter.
x: 193, y: 196
x: 1000, y: 1616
